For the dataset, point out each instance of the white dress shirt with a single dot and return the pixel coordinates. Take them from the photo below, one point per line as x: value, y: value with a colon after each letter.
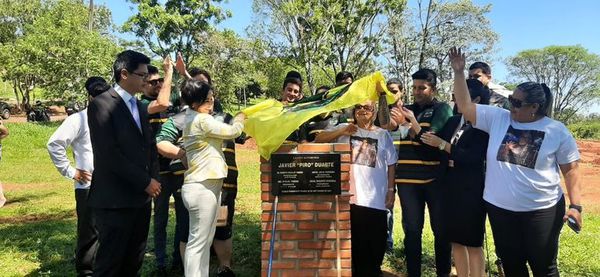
x: 127, y: 97
x: 74, y: 132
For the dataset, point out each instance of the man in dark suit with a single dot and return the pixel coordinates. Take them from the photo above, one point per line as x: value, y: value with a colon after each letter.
x: 126, y: 169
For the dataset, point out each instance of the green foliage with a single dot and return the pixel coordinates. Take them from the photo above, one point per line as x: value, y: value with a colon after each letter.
x: 589, y: 129
x: 57, y: 51
x: 323, y: 37
x: 170, y: 26
x: 571, y: 72
x: 422, y: 37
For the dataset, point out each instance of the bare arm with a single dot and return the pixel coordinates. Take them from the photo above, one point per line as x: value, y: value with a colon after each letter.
x: 570, y: 172
x: 329, y: 136
x: 162, y: 101
x: 461, y: 92
x: 169, y: 150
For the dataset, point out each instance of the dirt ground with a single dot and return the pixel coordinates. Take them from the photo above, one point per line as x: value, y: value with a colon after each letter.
x: 590, y: 174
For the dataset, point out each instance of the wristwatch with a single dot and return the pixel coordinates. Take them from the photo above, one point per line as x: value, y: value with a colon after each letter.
x: 576, y: 207
x: 442, y: 145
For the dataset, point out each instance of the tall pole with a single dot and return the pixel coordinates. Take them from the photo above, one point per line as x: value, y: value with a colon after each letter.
x: 425, y: 34
x: 91, y: 16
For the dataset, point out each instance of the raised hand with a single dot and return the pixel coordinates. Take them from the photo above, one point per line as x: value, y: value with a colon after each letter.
x: 180, y: 65
x: 397, y: 116
x: 457, y: 59
x: 168, y: 65
x: 408, y: 114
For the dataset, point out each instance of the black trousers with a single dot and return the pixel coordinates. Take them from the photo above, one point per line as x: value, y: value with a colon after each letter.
x: 122, y: 237
x: 369, y: 240
x: 87, y: 235
x: 527, y: 237
x: 412, y: 200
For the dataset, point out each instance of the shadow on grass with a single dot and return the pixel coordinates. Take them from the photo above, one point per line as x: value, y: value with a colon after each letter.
x: 49, y: 243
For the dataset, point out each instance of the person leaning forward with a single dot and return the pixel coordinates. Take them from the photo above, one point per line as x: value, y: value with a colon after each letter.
x: 126, y: 169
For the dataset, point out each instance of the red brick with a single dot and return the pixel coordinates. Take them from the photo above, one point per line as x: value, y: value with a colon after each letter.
x: 332, y: 235
x: 267, y: 236
x: 264, y: 255
x: 346, y: 264
x: 344, y: 225
x: 344, y: 207
x: 328, y: 254
x: 263, y: 160
x: 267, y: 196
x: 265, y: 178
x: 296, y: 235
x: 326, y: 206
x: 266, y: 217
x: 297, y: 254
x: 265, y: 167
x: 282, y: 245
x: 345, y: 158
x: 281, y: 207
x: 345, y: 186
x: 331, y: 216
x: 315, y: 225
x: 341, y: 147
x: 280, y: 226
x: 345, y: 244
x: 317, y: 264
x: 280, y: 265
x: 287, y: 216
x: 315, y: 245
x: 345, y: 176
x: 345, y: 167
x: 298, y: 273
x: 315, y: 148
x: 266, y: 187
x: 333, y: 272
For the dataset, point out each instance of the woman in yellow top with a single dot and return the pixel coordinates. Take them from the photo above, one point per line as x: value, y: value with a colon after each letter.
x: 201, y: 192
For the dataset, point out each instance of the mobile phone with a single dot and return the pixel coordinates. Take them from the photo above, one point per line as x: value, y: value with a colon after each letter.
x: 573, y: 224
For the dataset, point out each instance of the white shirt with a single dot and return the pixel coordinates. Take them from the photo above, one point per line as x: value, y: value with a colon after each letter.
x: 523, y: 160
x: 372, y: 152
x: 74, y: 132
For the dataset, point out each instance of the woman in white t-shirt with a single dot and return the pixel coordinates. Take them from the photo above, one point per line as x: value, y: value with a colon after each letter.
x: 527, y: 151
x: 371, y: 183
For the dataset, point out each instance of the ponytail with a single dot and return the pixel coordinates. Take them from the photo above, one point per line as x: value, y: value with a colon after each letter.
x: 546, y: 108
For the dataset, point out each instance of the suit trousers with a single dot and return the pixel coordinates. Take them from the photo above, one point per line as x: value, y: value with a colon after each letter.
x: 170, y: 184
x: 87, y: 235
x: 122, y: 236
x: 202, y: 201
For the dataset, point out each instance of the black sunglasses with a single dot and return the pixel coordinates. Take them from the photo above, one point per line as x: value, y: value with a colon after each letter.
x: 516, y: 102
x: 364, y: 107
x: 156, y: 81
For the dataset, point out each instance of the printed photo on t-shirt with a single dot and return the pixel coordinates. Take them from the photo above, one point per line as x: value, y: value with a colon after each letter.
x: 364, y: 151
x: 520, y: 147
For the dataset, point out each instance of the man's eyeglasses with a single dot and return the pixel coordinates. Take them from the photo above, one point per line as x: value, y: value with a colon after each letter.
x: 156, y: 81
x: 517, y: 103
x: 142, y: 75
x: 364, y: 107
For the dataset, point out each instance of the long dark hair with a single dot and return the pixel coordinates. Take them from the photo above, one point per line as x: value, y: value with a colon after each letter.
x: 538, y: 93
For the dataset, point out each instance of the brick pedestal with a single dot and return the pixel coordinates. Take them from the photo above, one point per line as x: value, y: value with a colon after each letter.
x: 306, y: 236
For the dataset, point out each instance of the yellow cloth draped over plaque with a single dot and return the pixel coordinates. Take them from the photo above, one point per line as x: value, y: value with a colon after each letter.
x: 271, y: 122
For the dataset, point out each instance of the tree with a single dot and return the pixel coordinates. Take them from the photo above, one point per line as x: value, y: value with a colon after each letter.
x: 57, y: 52
x: 422, y: 37
x: 171, y: 26
x: 571, y: 72
x: 317, y: 34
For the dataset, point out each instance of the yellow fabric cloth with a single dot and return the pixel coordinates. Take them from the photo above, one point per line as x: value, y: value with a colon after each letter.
x: 271, y: 122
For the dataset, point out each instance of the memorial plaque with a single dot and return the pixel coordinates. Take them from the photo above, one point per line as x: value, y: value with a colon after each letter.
x: 305, y: 174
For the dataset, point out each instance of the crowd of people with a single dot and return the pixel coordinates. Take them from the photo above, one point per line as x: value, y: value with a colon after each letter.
x: 489, y: 152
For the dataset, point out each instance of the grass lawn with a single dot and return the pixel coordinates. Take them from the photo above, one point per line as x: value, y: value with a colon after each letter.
x: 37, y: 226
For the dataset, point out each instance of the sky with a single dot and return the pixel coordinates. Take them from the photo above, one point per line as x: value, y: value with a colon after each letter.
x: 520, y: 24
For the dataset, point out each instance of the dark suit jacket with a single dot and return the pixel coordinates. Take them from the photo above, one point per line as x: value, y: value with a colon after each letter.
x: 124, y: 158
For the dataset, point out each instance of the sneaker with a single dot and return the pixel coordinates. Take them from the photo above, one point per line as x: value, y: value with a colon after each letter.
x: 225, y: 272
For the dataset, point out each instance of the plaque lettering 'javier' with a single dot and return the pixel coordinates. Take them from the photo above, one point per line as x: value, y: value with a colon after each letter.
x: 305, y: 174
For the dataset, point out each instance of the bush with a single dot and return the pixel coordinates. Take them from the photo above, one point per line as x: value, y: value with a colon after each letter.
x: 586, y: 129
